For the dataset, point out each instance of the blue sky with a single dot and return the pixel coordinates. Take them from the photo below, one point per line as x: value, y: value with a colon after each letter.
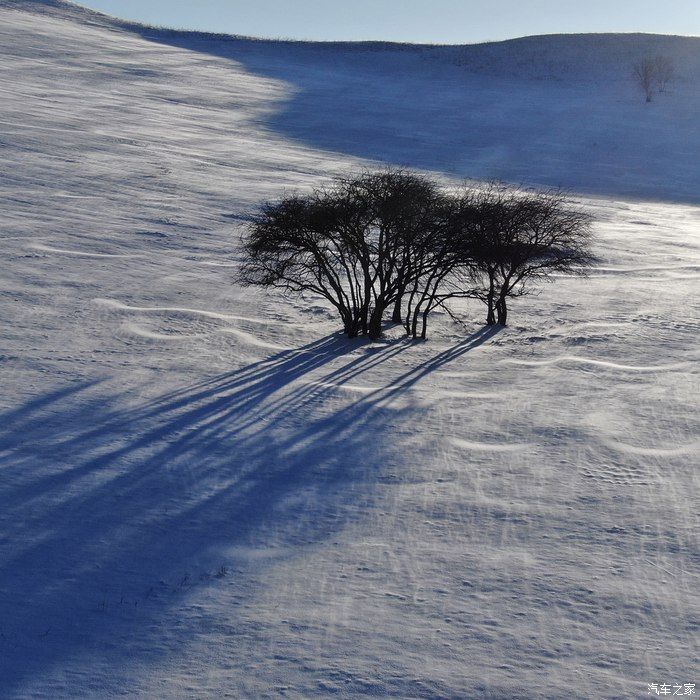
x: 440, y: 21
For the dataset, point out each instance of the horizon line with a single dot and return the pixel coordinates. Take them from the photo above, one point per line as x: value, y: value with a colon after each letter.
x: 397, y: 42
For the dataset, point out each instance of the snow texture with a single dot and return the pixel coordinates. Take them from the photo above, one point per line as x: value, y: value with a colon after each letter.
x: 205, y: 491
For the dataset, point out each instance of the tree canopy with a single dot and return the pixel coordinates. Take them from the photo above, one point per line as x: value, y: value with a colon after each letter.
x: 395, y: 243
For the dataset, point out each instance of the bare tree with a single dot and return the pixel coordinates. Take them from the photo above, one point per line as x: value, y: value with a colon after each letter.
x: 512, y: 239
x: 665, y: 71
x: 645, y: 75
x: 353, y: 243
x: 394, y: 241
x: 403, y: 207
x: 444, y: 260
x: 309, y: 244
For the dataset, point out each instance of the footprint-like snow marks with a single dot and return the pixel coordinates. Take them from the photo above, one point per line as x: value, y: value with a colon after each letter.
x: 80, y: 253
x: 598, y: 363
x: 114, y: 304
x: 678, y: 451
x: 489, y: 446
x: 617, y: 474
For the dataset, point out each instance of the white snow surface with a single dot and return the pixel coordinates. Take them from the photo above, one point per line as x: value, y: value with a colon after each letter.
x: 205, y: 491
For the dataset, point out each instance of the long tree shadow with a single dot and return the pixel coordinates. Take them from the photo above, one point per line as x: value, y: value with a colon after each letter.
x: 111, y: 513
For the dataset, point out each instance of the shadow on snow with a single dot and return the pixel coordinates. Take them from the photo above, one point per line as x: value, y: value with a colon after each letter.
x: 413, y: 106
x: 110, y: 515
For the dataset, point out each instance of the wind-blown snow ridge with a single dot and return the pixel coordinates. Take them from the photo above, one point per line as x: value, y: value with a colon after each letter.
x: 598, y: 363
x: 137, y: 330
x: 254, y: 340
x: 120, y: 306
x: 489, y: 446
x: 347, y: 387
x: 62, y: 251
x: 678, y: 451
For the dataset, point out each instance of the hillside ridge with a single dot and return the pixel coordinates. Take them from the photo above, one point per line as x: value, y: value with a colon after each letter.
x: 630, y: 44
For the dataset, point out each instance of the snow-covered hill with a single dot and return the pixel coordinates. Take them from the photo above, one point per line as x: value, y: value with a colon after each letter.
x: 563, y: 110
x: 204, y: 491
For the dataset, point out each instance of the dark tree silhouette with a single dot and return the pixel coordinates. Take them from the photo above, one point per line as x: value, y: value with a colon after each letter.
x: 665, y: 71
x: 645, y: 75
x: 353, y: 243
x: 654, y: 73
x: 394, y: 242
x: 444, y: 262
x: 403, y: 208
x: 512, y: 239
x: 311, y: 244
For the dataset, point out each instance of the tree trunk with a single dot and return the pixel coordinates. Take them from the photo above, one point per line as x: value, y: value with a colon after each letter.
x: 424, y: 328
x: 396, y: 316
x: 490, y: 315
x: 375, y: 324
x: 364, y: 316
x: 351, y: 324
x: 409, y: 316
x: 414, y: 323
x: 366, y: 303
x: 502, y: 311
x: 352, y: 329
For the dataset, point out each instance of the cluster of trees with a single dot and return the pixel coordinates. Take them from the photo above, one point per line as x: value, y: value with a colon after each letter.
x: 654, y: 73
x: 394, y: 244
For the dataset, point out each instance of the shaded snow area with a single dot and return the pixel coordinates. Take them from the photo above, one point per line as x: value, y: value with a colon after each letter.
x: 205, y: 491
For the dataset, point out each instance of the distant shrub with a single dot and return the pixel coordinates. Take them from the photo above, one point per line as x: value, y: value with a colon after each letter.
x: 665, y: 72
x: 654, y: 73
